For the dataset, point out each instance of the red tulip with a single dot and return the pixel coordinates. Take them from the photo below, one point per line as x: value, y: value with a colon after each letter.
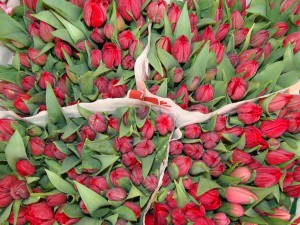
x: 31, y: 4
x: 243, y: 173
x: 21, y: 218
x: 240, y: 36
x: 45, y: 32
x: 207, y: 35
x: 192, y: 211
x: 219, y: 50
x: 144, y: 148
x: 19, y: 190
x: 194, y: 150
x: 211, y: 158
x: 164, y: 124
x: 249, y: 54
x: 98, y: 35
x: 116, y: 91
x: 123, y: 144
x: 129, y: 160
x: 249, y: 113
x: 39, y: 213
x: 254, y: 138
x: 46, y: 77
x: 192, y: 131
x: 267, y: 176
x: 129, y: 8
x: 98, y: 122
x: 116, y: 194
x: 155, y: 10
x: 134, y: 207
x: 275, y: 128
x: 239, y: 156
x: 222, y: 31
x: 150, y: 183
x: 293, y: 38
x: 60, y: 47
x: 147, y: 129
x: 204, y: 93
x: 247, y: 69
x: 137, y: 175
x: 62, y: 218
x: 117, y: 174
x: 282, y: 28
x: 98, y: 184
x: 178, y: 217
x: 237, y: 20
x: 259, y: 39
x: 25, y: 168
x: 94, y: 12
x: 181, y: 49
x: 39, y: 60
x: 240, y: 195
x: 112, y: 55
x: 221, y: 219
x: 183, y: 164
x: 176, y: 147
x: 165, y: 44
x: 56, y: 199
x: 184, y: 94
x: 34, y: 30
x: 278, y: 156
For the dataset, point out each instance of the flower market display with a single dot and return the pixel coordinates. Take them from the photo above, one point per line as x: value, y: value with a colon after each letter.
x: 120, y: 112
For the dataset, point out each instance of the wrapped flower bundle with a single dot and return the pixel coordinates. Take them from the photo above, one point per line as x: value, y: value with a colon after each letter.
x: 207, y: 54
x: 86, y: 50
x: 94, y: 169
x: 239, y: 168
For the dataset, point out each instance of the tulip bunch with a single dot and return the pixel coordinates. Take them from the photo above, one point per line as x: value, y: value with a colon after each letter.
x: 97, y: 168
x: 206, y: 55
x: 84, y: 59
x: 238, y: 168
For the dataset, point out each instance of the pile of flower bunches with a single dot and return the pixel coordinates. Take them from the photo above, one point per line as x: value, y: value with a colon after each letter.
x: 96, y: 169
x: 208, y: 54
x: 236, y: 169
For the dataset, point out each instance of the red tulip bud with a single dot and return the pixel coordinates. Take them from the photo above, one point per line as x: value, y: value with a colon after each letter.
x: 46, y: 77
x: 267, y: 50
x: 222, y: 31
x: 108, y: 30
x: 101, y: 84
x: 233, y: 58
x: 248, y: 69
x: 128, y: 62
x: 254, y: 53
x: 19, y: 190
x: 116, y: 194
x: 34, y: 30
x: 294, y: 39
x: 278, y: 156
x: 237, y: 88
x: 195, y: 151
x: 21, y: 219
x: 165, y: 44
x: 31, y: 4
x: 239, y: 156
x: 79, y: 3
x: 34, y: 215
x: 11, y: 91
x: 115, y: 90
x: 144, y: 148
x: 174, y: 13
x: 280, y: 214
x: 204, y: 93
x: 134, y: 207
x: 210, y: 139
x: 117, y: 174
x: 254, y: 138
x: 56, y: 199
x: 137, y: 175
x: 267, y: 176
x: 60, y: 47
x: 221, y: 219
x: 136, y: 48
x: 194, y: 20
x: 286, y: 4
x: 164, y: 124
x: 240, y: 36
x: 155, y: 10
x: 192, y: 131
x: 282, y: 28
x: 20, y: 104
x: 240, y: 195
x: 129, y: 8
x: 45, y: 32
x: 150, y: 183
x: 220, y: 123
x: 28, y: 82
x: 98, y: 123
x: 181, y: 49
x: 96, y: 57
x: 178, y: 216
x: 183, y: 163
x: 87, y: 132
x: 129, y: 160
x: 94, y: 12
x: 237, y: 20
x: 259, y: 39
x: 112, y: 55
x: 25, y: 168
x: 140, y: 22
x: 83, y: 45
x: 275, y: 128
x: 219, y: 50
x: 24, y: 60
x: 211, y: 158
x: 249, y: 113
x: 62, y: 218
x: 98, y: 184
x: 98, y: 35
x: 176, y: 147
x: 39, y: 60
x: 123, y: 144
x: 207, y: 35
x: 236, y: 210
x: 125, y: 39
x: 243, y: 173
x: 37, y: 146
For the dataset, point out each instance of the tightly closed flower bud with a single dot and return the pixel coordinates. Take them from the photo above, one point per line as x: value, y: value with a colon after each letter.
x: 219, y: 50
x: 11, y: 91
x: 221, y: 219
x: 292, y: 191
x: 249, y: 113
x: 249, y: 54
x: 194, y: 84
x: 285, y: 5
x: 267, y: 50
x: 240, y: 195
x: 192, y: 211
x: 134, y: 207
x: 31, y: 4
x: 125, y: 39
x: 164, y: 43
x: 220, y: 123
x: 294, y: 122
x: 164, y: 124
x: 108, y: 30
x: 181, y: 49
x: 161, y: 212
x: 207, y: 35
x: 184, y: 94
x: 275, y: 128
x: 204, y: 93
x: 137, y: 175
x: 174, y: 14
x: 128, y: 62
x: 155, y: 10
x: 218, y: 170
x: 233, y: 58
x: 79, y: 3
x: 20, y: 104
x: 267, y: 176
x: 19, y: 190
x: 293, y: 38
x: 178, y: 75
x: 193, y: 20
x: 60, y: 48
x: 140, y: 22
x: 211, y: 158
x: 46, y: 77
x: 243, y: 173
x: 176, y: 147
x: 101, y: 84
x: 278, y: 102
x: 25, y: 168
x: 123, y: 144
x: 136, y: 48
x: 87, y: 132
x: 39, y: 213
x: 24, y: 60
x: 237, y: 131
x: 254, y: 138
x: 178, y: 217
x: 62, y: 218
x: 5, y: 126
x: 28, y: 82
x: 150, y: 183
x: 237, y: 88
x: 278, y: 156
x: 144, y: 148
x: 222, y: 31
x: 116, y: 91
x: 282, y: 28
x: 56, y: 199
x: 37, y: 146
x: 6, y: 184
x: 237, y: 20
x: 183, y: 164
x: 280, y: 214
x: 236, y: 210
x: 98, y: 122
x: 83, y: 45
x: 96, y: 58
x: 112, y: 55
x: 117, y: 174
x: 39, y: 60
x: 247, y: 69
x: 116, y: 194
x: 45, y: 32
x: 240, y: 36
x: 94, y: 12
x: 239, y: 156
x: 259, y: 39
x: 129, y: 8
x: 192, y: 131
x: 147, y: 129
x: 210, y: 139
x: 34, y: 30
x: 288, y: 179
x: 21, y: 219
x: 171, y: 201
x: 98, y: 35
x: 98, y: 184
x: 195, y: 150
x: 129, y: 160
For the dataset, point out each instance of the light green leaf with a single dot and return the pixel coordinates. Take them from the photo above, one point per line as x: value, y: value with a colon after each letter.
x: 73, y: 210
x: 106, y: 160
x: 147, y: 163
x: 69, y: 163
x: 125, y: 213
x: 163, y: 89
x: 167, y: 59
x: 15, y: 150
x: 183, y: 26
x: 5, y: 214
x: 49, y: 18
x: 91, y: 199
x: 181, y: 195
x: 206, y: 185
x: 60, y: 183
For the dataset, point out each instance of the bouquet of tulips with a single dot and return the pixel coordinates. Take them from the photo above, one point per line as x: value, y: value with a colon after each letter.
x: 240, y: 168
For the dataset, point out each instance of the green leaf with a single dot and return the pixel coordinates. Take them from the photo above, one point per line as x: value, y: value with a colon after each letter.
x: 147, y: 163
x: 167, y: 59
x: 247, y: 40
x: 206, y: 185
x: 64, y: 8
x: 64, y: 35
x: 8, y: 74
x: 60, y: 183
x: 106, y: 160
x: 86, y: 83
x: 72, y: 128
x: 163, y: 89
x: 134, y: 192
x: 15, y: 150
x: 288, y: 79
x: 5, y: 214
x: 84, y: 112
x: 69, y: 163
x: 168, y: 29
x: 183, y: 26
x: 16, y: 208
x: 181, y: 195
x: 264, y: 76
x: 125, y: 213
x: 90, y: 221
x: 54, y: 110
x: 73, y: 210
x: 102, y: 146
x: 226, y: 68
x: 49, y: 18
